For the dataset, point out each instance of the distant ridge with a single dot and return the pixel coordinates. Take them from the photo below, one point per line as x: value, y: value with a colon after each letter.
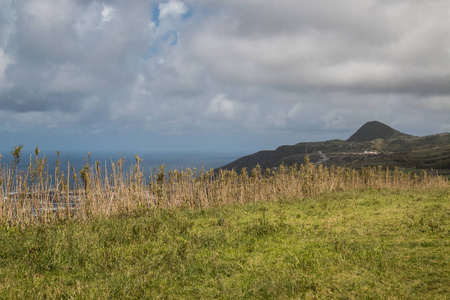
x: 374, y: 130
x: 374, y: 144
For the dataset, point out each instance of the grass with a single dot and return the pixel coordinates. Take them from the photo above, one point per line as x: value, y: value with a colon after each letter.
x: 303, y: 231
x: 362, y: 243
x: 37, y: 196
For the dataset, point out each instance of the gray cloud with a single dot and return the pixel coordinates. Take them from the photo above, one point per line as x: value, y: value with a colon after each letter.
x: 20, y: 100
x: 302, y: 70
x: 356, y: 46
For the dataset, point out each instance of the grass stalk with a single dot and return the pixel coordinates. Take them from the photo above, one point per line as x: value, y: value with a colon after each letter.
x: 34, y: 196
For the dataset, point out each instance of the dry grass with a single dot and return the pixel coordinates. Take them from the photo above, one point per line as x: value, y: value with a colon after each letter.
x: 38, y: 196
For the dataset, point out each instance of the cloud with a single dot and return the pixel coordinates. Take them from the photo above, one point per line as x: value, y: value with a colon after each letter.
x: 107, y: 13
x: 172, y: 9
x: 322, y: 45
x: 221, y: 107
x: 5, y: 62
x: 297, y: 70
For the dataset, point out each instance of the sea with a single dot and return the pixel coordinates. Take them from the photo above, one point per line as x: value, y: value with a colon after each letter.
x: 151, y: 161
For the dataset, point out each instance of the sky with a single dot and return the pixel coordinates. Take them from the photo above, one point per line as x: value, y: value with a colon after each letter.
x: 222, y: 75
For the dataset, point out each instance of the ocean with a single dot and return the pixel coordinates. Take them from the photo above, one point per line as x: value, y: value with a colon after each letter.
x: 150, y: 160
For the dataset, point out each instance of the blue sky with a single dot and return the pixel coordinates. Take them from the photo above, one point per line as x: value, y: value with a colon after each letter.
x: 225, y: 75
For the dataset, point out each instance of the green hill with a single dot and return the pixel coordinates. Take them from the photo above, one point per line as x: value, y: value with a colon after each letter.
x: 373, y: 144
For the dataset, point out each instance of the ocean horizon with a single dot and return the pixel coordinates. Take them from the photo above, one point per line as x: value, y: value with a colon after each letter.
x: 150, y: 160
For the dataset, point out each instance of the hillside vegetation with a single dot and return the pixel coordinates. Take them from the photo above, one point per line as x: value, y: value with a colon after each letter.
x: 374, y: 144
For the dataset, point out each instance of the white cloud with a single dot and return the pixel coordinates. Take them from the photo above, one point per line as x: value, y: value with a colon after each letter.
x: 107, y: 13
x: 221, y: 107
x: 172, y: 9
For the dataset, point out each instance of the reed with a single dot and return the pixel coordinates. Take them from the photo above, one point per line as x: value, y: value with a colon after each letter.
x: 38, y: 196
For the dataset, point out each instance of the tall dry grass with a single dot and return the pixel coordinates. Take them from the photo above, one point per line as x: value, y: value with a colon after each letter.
x: 38, y: 196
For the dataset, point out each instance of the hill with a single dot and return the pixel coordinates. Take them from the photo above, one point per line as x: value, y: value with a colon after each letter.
x: 371, y: 145
x: 375, y: 130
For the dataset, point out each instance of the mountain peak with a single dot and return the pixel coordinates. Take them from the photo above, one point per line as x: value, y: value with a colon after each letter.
x: 374, y: 130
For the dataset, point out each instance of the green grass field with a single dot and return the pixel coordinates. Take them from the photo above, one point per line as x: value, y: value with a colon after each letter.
x: 360, y: 244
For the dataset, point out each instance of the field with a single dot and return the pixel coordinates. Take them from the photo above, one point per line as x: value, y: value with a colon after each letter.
x: 300, y: 232
x: 357, y: 244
